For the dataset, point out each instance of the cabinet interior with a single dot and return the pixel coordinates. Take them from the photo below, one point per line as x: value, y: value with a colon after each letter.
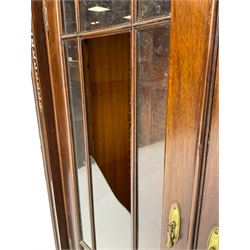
x: 107, y: 85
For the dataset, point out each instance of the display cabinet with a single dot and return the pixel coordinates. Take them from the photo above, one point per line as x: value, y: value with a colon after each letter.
x: 127, y: 102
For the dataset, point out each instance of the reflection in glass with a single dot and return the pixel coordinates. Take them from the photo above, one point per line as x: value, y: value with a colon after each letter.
x: 68, y: 16
x: 152, y: 8
x: 78, y: 135
x: 96, y: 14
x: 152, y: 78
x: 107, y: 82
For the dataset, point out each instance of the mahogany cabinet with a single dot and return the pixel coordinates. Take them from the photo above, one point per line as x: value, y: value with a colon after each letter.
x: 127, y: 102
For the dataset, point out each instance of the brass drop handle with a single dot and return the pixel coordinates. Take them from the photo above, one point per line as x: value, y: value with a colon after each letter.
x: 213, y: 239
x: 171, y: 237
x: 173, y: 230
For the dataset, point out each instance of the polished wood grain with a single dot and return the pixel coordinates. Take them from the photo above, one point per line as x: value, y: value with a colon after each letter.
x: 208, y: 118
x: 108, y: 96
x: 61, y: 114
x: 190, y: 56
x: 47, y: 129
x: 210, y: 203
x: 192, y: 28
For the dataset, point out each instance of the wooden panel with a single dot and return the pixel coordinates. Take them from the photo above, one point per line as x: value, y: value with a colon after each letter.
x: 45, y: 113
x: 192, y: 28
x: 108, y: 91
x: 210, y: 205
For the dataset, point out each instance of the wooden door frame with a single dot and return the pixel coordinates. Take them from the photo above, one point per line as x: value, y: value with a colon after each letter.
x: 47, y: 127
x: 191, y: 61
x: 193, y: 57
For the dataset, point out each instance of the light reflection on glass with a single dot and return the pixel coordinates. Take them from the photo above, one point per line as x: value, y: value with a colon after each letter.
x: 68, y: 16
x: 97, y: 14
x: 151, y: 91
x: 147, y: 9
x: 78, y: 135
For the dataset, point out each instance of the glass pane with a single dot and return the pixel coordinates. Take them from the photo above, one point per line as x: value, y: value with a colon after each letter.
x: 68, y: 16
x: 150, y: 8
x: 152, y: 78
x: 107, y: 80
x: 96, y: 14
x: 78, y: 135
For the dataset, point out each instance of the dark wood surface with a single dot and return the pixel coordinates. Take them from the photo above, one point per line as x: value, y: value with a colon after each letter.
x: 190, y: 56
x: 190, y: 59
x: 210, y: 204
x: 46, y: 120
x: 107, y: 79
x: 61, y: 113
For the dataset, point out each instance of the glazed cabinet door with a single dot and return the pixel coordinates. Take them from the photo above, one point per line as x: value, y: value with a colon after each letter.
x: 125, y: 97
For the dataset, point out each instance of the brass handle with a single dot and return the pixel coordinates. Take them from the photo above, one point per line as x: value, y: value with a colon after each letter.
x: 171, y: 237
x: 213, y: 239
x: 174, y: 224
